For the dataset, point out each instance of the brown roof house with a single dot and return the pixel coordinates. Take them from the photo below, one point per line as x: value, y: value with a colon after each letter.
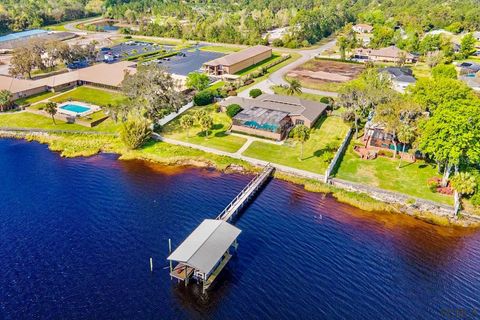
x: 234, y: 62
x: 271, y: 116
x: 362, y: 28
x: 388, y: 54
x: 102, y: 75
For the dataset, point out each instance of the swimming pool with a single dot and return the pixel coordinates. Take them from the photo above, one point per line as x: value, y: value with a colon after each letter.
x: 75, y: 108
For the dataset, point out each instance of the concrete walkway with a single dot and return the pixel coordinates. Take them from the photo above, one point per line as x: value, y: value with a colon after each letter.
x: 173, y: 115
x: 238, y: 155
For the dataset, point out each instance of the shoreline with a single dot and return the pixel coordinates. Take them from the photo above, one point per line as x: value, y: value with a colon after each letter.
x: 171, y: 155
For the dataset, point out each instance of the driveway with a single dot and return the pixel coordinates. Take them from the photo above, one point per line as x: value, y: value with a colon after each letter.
x: 276, y: 78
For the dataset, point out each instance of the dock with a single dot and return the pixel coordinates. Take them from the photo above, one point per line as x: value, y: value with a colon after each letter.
x: 208, y: 249
x: 246, y: 194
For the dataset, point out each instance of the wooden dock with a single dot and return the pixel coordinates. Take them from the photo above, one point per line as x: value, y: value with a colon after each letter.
x: 246, y: 194
x: 207, y: 250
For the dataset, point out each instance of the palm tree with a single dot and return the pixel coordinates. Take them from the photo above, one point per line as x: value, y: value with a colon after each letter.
x: 406, y: 135
x: 294, y: 87
x: 51, y: 109
x: 187, y: 122
x: 206, y: 122
x: 301, y: 134
x: 5, y: 99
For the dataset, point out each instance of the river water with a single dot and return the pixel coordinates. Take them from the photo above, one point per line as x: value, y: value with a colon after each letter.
x: 76, y: 236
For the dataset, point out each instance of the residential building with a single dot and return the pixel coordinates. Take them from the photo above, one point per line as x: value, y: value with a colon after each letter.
x: 235, y: 62
x: 101, y: 75
x: 362, y: 28
x: 388, y: 54
x: 401, y: 77
x: 271, y: 116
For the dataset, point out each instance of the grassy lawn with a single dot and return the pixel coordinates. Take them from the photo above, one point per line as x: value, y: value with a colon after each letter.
x: 61, y: 26
x: 275, y: 56
x: 91, y: 95
x: 325, y: 138
x: 217, y: 85
x: 221, y: 49
x: 217, y: 138
x: 303, y: 95
x: 34, y: 121
x: 410, y: 179
x: 294, y: 56
x: 421, y: 70
x: 35, y: 98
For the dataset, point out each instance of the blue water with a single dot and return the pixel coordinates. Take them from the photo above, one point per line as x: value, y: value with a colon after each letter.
x: 76, y: 236
x: 75, y: 108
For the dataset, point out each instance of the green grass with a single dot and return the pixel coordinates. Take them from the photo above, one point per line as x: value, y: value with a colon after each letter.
x: 421, y: 70
x: 217, y: 137
x: 275, y: 56
x: 221, y: 49
x: 91, y: 95
x: 34, y: 121
x: 217, y: 85
x: 410, y: 179
x: 293, y: 56
x: 325, y: 138
x: 35, y: 98
x: 61, y: 26
x: 303, y: 95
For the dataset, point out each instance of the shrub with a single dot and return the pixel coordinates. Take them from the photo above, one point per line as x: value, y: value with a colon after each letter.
x: 277, y: 43
x: 232, y: 93
x: 203, y: 98
x: 135, y: 132
x: 233, y: 109
x: 326, y: 100
x: 475, y: 199
x: 433, y: 184
x: 255, y: 93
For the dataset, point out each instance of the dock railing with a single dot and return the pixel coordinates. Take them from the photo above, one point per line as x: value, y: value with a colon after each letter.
x: 249, y: 188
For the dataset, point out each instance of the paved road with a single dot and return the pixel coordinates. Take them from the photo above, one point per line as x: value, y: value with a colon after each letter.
x: 276, y: 78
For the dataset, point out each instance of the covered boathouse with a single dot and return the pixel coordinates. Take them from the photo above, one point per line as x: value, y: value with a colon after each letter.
x: 204, y: 253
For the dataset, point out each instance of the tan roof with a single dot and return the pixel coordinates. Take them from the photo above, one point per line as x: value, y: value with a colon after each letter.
x: 388, y: 52
x: 240, y: 56
x: 107, y: 74
x: 102, y: 73
x: 16, y: 85
x: 364, y: 26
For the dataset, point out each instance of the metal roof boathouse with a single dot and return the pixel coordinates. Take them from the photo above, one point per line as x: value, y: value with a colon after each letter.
x: 205, y: 252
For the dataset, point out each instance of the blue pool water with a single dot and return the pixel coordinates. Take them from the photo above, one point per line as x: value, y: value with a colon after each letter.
x: 76, y: 236
x: 75, y: 108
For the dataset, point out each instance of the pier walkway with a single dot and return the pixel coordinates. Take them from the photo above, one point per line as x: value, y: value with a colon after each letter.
x: 206, y: 251
x: 242, y: 198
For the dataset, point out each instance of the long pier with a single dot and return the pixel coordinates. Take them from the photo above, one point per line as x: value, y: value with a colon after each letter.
x: 244, y: 196
x: 206, y: 251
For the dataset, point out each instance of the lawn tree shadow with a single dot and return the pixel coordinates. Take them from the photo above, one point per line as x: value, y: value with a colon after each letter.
x: 221, y: 134
x: 217, y: 126
x: 329, y: 149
